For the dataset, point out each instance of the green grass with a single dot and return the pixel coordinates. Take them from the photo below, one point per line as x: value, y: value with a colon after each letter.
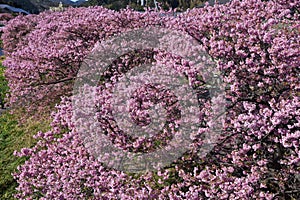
x: 14, y: 136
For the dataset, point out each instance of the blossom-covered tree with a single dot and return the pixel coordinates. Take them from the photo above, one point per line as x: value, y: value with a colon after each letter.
x: 256, y: 47
x: 48, y: 48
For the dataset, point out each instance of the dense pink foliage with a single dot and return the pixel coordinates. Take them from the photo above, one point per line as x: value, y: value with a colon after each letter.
x: 48, y: 48
x: 256, y: 45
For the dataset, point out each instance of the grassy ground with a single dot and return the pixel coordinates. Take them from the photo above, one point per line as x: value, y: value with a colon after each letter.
x: 14, y: 136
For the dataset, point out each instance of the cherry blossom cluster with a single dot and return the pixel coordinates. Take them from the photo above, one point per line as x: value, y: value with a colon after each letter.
x: 257, y: 156
x: 48, y: 48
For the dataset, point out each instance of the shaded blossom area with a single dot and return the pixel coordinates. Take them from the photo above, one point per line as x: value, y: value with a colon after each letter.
x: 256, y: 47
